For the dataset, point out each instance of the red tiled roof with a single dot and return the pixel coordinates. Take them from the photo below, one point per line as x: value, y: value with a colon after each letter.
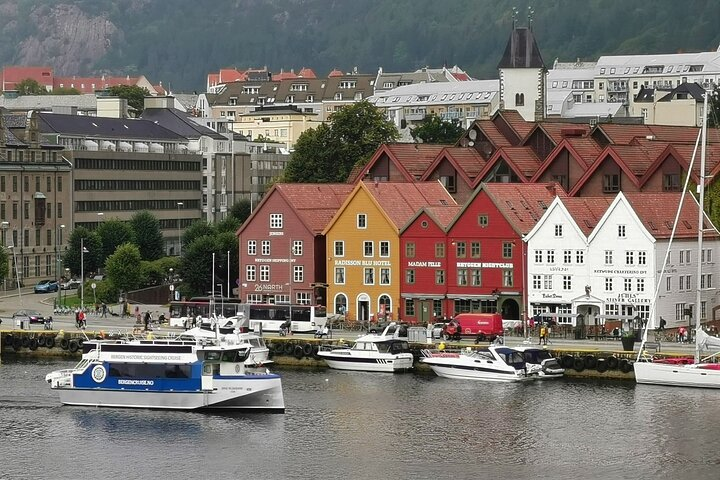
x: 522, y: 204
x: 307, y: 73
x: 557, y: 131
x: 517, y: 122
x: 524, y: 158
x: 586, y: 148
x: 213, y: 78
x: 90, y: 84
x: 354, y: 172
x: 712, y: 157
x: 587, y: 211
x: 284, y: 76
x: 227, y: 75
x: 657, y: 212
x: 401, y: 201
x: 415, y: 157
x: 315, y: 203
x: 462, y: 77
x: 625, y: 134
x: 639, y: 156
x: 492, y: 133
x: 443, y: 214
x: 12, y: 75
x: 335, y: 73
x: 468, y: 159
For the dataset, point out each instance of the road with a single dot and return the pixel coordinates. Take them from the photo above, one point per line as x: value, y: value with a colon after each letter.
x: 44, y: 302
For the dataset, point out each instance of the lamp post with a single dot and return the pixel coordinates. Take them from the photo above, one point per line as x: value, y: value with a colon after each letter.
x: 228, y: 274
x: 5, y: 226
x: 179, y: 204
x: 67, y: 275
x: 222, y: 300
x: 100, y: 217
x: 290, y: 278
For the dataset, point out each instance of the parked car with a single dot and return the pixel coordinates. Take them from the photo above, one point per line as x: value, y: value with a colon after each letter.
x: 70, y: 285
x: 45, y: 286
x: 29, y: 316
x: 437, y: 329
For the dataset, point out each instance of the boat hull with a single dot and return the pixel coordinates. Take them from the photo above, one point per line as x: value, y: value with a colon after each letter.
x: 475, y: 373
x: 676, y: 375
x: 386, y: 363
x: 250, y: 393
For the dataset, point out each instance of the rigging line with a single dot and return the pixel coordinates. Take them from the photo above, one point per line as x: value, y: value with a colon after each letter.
x: 653, y: 305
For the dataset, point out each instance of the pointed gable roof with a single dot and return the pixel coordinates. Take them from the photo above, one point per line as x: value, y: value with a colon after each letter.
x: 413, y: 159
x: 515, y: 121
x: 583, y: 150
x: 467, y: 162
x: 442, y: 215
x: 314, y: 203
x: 607, y: 155
x: 521, y: 50
x: 657, y: 213
x: 522, y: 160
x: 522, y: 204
x: 587, y: 211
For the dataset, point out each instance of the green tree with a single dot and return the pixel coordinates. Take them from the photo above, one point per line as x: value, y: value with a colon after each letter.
x: 114, y: 233
x: 134, y: 95
x: 148, y: 237
x: 714, y: 108
x: 93, y: 256
x: 229, y: 224
x: 29, y: 86
x: 123, y: 267
x: 240, y: 210
x: 433, y: 129
x: 65, y: 91
x: 196, y: 230
x: 196, y: 267
x: 329, y: 152
x: 4, y: 263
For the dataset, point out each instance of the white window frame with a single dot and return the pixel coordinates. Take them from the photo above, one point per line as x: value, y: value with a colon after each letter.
x: 264, y: 273
x: 385, y: 274
x: 297, y: 248
x: 558, y: 230
x: 366, y: 244
x: 371, y: 271
x: 341, y: 271
x: 384, y: 248
x: 361, y: 221
x: 250, y: 273
x: 252, y: 247
x: 276, y: 220
x: 339, y: 247
x: 298, y: 274
x: 265, y: 247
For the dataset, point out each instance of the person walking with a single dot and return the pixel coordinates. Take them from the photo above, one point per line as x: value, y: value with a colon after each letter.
x: 104, y: 310
x: 543, y: 335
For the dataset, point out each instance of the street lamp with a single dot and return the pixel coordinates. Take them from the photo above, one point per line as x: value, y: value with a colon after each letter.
x: 58, y: 261
x: 83, y: 251
x: 5, y: 226
x: 222, y: 300
x: 100, y: 217
x: 179, y: 204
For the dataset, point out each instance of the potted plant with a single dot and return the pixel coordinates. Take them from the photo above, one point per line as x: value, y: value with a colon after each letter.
x: 628, y: 340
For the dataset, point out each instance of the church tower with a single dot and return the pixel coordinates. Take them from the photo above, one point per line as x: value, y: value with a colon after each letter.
x: 522, y: 74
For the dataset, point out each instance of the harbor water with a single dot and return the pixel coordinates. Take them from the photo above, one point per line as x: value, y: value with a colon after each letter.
x: 369, y: 426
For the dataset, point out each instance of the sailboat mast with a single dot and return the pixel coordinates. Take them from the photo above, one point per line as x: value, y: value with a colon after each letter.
x: 701, y: 224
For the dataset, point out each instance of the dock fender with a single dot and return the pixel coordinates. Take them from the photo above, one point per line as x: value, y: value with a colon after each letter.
x: 590, y: 362
x: 41, y: 340
x: 568, y: 361
x: 315, y: 350
x: 64, y: 343
x: 9, y: 340
x: 625, y: 366
x: 25, y: 341
x: 307, y: 349
x: 602, y: 365
x: 299, y: 352
x: 289, y: 348
x: 49, y: 342
x: 579, y: 364
x: 17, y: 343
x: 73, y: 345
x: 612, y: 362
x: 33, y: 343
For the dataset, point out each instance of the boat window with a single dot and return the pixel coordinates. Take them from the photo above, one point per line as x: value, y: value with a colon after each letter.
x: 149, y: 370
x: 234, y: 356
x: 383, y: 347
x: 212, y: 355
x: 399, y: 347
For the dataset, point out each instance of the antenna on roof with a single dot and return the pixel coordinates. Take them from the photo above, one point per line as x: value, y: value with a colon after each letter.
x: 514, y: 16
x: 530, y: 14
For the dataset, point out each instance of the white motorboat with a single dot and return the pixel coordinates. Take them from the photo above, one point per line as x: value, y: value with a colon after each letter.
x: 387, y: 352
x: 204, y: 373
x: 493, y: 364
x: 259, y: 353
x: 549, y: 367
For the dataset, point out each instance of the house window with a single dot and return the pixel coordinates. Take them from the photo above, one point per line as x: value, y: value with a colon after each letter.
x: 410, y: 249
x: 667, y: 283
x: 252, y: 247
x: 507, y: 251
x: 339, y: 248
x: 409, y: 307
x: 611, y: 183
x: 627, y: 284
x: 439, y: 277
x: 567, y: 282
x: 410, y: 276
x: 369, y: 276
x: 550, y: 256
x: 547, y: 282
x: 265, y: 246
x: 608, y: 257
x: 361, y: 220
x: 640, y: 284
x: 476, y: 277
x: 679, y: 311
x: 681, y: 283
x: 558, y: 230
x: 687, y: 282
x: 440, y: 250
x: 384, y: 248
x: 483, y: 220
x: 460, y: 250
x: 298, y: 273
x: 384, y: 276
x: 339, y: 275
x: 462, y: 277
x: 507, y: 278
x: 609, y: 284
x: 475, y: 249
x: 519, y: 99
x: 671, y: 182
x: 580, y: 257
x: 629, y: 258
x: 538, y: 256
x: 536, y: 282
x: 621, y: 231
x: 264, y: 273
x: 250, y: 273
x: 367, y: 249
x: 642, y: 258
x: 297, y: 248
x: 449, y: 183
x: 567, y: 257
x: 276, y: 220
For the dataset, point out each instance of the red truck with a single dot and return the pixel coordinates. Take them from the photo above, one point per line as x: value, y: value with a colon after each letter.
x: 483, y: 326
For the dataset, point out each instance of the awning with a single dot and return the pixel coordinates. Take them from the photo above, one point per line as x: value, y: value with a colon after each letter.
x: 472, y: 297
x: 422, y: 296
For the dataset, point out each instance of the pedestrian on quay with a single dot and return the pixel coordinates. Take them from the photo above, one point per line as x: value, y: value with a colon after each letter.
x: 146, y: 320
x: 543, y: 335
x: 104, y: 310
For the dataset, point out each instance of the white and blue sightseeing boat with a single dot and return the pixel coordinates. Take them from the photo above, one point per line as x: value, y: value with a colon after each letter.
x: 177, y: 374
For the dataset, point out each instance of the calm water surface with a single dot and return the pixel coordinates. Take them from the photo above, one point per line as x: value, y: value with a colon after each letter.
x: 370, y: 426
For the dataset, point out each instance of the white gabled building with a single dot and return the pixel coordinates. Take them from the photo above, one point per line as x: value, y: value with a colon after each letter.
x: 624, y: 244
